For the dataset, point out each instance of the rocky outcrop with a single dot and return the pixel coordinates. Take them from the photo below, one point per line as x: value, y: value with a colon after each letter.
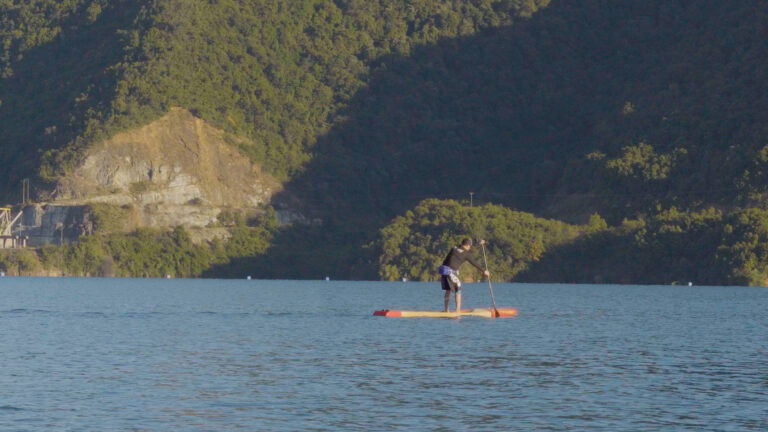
x: 177, y: 170
x: 42, y: 224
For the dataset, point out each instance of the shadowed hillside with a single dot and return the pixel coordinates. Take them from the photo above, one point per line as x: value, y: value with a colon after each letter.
x: 616, y: 107
x: 595, y: 97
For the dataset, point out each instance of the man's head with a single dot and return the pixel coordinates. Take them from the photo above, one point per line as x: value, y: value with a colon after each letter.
x: 466, y: 243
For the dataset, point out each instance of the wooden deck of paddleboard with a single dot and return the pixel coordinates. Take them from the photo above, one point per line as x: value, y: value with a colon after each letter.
x: 482, y: 312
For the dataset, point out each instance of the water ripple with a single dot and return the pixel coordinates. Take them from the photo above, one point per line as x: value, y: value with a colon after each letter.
x: 10, y: 408
x: 308, y: 356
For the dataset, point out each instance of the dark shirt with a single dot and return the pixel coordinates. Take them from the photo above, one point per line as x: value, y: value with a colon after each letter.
x: 457, y: 256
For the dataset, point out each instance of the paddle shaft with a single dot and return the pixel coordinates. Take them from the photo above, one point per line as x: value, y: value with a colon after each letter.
x: 490, y: 287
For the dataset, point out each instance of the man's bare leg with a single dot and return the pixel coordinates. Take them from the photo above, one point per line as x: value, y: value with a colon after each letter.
x: 458, y: 301
x: 447, y: 300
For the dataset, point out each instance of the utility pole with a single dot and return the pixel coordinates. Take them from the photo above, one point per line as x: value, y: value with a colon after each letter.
x: 24, y: 191
x: 470, y: 198
x: 60, y: 227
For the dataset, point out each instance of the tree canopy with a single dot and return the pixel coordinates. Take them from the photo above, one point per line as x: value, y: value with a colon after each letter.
x: 415, y: 244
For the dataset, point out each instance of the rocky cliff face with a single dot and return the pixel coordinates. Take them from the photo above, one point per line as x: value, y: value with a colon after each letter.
x: 177, y: 170
x: 43, y: 224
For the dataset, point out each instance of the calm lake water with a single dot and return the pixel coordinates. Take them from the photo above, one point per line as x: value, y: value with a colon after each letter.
x: 203, y: 355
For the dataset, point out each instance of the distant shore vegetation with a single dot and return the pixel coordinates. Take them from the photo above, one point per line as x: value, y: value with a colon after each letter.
x: 709, y: 247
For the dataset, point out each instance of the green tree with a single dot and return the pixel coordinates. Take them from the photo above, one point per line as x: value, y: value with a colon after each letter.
x: 414, y: 245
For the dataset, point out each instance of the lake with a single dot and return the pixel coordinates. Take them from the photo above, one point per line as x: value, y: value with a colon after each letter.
x: 214, y: 355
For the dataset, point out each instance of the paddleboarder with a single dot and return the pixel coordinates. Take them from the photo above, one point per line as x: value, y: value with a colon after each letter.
x: 449, y: 271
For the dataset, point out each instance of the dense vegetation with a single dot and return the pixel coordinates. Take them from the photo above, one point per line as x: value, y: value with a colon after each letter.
x: 146, y: 252
x: 672, y: 247
x: 706, y: 247
x: 657, y: 106
x: 648, y: 112
x: 415, y: 244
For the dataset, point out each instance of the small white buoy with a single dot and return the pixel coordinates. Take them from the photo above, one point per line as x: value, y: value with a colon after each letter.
x: 690, y: 283
x: 2, y: 274
x: 248, y: 277
x: 405, y: 280
x: 327, y: 278
x: 167, y: 276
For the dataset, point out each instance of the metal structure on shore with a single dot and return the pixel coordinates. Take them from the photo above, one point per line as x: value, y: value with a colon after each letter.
x: 7, y: 239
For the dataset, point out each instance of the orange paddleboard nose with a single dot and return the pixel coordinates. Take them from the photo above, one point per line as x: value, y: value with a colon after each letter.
x: 480, y: 312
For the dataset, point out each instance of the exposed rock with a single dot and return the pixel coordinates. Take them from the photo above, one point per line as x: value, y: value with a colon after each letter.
x: 288, y: 217
x: 203, y: 235
x: 54, y: 224
x: 42, y: 224
x: 177, y: 170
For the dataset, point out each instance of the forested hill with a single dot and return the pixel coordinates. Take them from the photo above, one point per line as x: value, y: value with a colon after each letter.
x: 276, y: 72
x: 624, y: 108
x: 562, y: 108
x: 620, y: 107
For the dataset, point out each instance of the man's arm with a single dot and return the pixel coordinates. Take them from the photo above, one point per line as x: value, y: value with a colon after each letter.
x: 475, y: 263
x: 477, y: 266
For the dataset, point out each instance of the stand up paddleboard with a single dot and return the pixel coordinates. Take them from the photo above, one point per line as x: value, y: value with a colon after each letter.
x: 482, y: 312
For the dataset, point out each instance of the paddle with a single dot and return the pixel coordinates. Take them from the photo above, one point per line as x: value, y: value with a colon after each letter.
x: 490, y: 287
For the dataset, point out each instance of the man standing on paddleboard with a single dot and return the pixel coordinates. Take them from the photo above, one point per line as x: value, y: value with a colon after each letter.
x: 449, y: 271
